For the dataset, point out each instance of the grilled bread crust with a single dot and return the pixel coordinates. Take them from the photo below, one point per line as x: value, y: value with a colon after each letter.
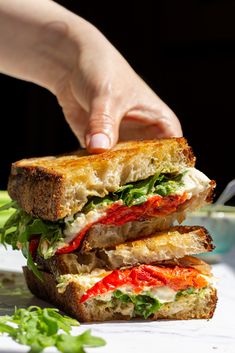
x: 192, y: 306
x: 175, y: 243
x: 54, y: 187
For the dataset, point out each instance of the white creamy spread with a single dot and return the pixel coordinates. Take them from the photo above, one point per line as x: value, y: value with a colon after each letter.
x: 163, y: 294
x: 84, y: 280
x: 194, y: 182
x: 81, y: 221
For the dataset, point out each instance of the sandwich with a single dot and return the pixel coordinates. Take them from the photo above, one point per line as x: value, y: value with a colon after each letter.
x: 98, y: 234
x: 160, y: 281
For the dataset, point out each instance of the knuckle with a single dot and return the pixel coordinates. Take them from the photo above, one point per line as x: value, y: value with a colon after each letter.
x: 104, y: 121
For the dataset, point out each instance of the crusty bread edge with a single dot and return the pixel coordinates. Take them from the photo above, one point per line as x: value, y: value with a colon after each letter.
x: 23, y: 187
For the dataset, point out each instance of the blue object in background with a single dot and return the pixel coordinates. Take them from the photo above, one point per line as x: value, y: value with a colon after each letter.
x: 220, y: 223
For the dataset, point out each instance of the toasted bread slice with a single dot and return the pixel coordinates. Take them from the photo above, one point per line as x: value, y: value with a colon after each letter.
x: 175, y: 243
x: 161, y: 246
x: 189, y: 306
x: 52, y: 188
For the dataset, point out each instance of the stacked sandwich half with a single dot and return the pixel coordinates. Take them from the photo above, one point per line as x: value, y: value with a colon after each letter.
x: 98, y: 234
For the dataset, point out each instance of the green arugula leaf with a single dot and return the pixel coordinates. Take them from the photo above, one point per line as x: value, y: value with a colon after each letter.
x: 125, y: 298
x: 76, y: 344
x: 6, y: 219
x: 190, y: 290
x: 39, y: 328
x: 20, y: 227
x: 8, y: 206
x: 98, y: 201
x: 64, y: 322
x: 30, y: 263
x: 144, y: 305
x: 137, y: 193
x: 4, y: 197
x: 7, y: 329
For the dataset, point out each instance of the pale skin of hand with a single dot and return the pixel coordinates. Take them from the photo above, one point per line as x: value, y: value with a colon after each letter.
x: 102, y: 97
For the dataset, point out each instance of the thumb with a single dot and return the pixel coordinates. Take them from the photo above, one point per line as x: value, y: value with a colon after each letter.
x: 103, y: 126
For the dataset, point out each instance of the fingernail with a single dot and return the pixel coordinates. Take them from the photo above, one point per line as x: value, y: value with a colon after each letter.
x: 99, y: 142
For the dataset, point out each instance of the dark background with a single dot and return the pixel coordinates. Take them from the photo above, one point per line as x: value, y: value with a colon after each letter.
x: 185, y: 50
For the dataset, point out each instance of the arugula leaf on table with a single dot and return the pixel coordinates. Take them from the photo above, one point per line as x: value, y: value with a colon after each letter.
x: 75, y: 344
x: 39, y: 328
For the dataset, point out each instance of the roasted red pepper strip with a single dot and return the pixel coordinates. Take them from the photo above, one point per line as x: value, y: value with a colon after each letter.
x: 177, y: 278
x: 154, y: 206
x: 118, y: 214
x: 75, y: 242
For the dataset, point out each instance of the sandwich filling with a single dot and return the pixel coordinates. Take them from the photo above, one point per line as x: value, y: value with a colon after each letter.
x: 156, y: 196
x: 145, y: 287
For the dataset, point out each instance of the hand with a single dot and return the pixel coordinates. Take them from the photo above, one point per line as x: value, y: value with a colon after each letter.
x: 104, y: 100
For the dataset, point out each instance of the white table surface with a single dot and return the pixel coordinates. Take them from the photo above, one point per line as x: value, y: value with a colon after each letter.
x: 194, y: 336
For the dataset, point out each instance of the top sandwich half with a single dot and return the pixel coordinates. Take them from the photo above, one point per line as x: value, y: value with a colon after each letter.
x: 55, y: 187
x: 132, y: 190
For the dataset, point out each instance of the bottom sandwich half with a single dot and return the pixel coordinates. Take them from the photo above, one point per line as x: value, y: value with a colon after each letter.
x: 172, y: 290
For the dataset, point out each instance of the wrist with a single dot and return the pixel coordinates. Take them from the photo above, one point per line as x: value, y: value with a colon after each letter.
x: 61, y: 44
x: 57, y: 51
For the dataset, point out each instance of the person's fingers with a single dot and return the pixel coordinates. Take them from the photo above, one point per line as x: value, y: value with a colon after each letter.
x: 150, y: 116
x: 103, y: 126
x: 136, y: 130
x: 75, y: 115
x: 159, y: 122
x: 77, y: 120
